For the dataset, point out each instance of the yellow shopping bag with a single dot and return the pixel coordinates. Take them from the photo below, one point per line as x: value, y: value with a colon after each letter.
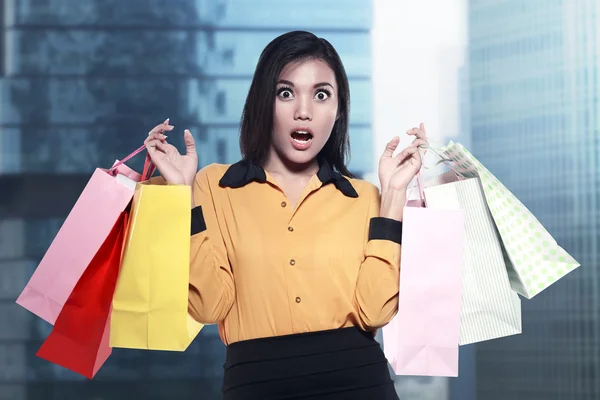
x: 151, y: 298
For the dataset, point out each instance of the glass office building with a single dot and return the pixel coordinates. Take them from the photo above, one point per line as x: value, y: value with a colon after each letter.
x: 534, y: 119
x: 82, y: 81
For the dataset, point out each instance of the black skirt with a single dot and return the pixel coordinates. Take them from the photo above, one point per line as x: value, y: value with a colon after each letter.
x: 335, y: 364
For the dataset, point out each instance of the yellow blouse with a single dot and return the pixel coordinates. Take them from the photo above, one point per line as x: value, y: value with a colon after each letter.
x: 260, y: 269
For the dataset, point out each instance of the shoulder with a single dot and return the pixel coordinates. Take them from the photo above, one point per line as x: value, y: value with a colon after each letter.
x: 211, y: 174
x: 364, y: 188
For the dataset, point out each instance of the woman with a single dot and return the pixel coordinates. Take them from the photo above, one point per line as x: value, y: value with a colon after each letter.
x: 296, y: 260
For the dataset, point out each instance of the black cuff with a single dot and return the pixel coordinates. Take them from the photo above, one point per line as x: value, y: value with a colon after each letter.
x: 198, y: 224
x: 385, y: 229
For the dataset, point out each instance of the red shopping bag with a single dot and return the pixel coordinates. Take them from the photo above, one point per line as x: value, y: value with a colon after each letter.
x: 79, y: 340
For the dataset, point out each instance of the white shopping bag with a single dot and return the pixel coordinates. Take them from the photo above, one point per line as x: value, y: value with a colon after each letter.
x: 490, y: 308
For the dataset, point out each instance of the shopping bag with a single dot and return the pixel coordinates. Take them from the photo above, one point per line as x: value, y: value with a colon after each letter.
x: 151, y: 298
x: 106, y: 195
x: 490, y: 308
x: 79, y: 339
x: 534, y: 259
x: 422, y: 339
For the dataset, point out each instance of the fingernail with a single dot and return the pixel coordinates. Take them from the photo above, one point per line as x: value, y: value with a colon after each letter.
x: 167, y: 121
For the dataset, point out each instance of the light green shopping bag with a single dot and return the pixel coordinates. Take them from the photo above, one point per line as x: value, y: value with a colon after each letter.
x: 533, y: 258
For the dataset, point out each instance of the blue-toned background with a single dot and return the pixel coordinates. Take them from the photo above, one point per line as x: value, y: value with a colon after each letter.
x: 82, y: 81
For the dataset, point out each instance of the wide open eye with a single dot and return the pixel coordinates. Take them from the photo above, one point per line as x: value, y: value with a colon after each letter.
x: 285, y: 92
x: 323, y: 94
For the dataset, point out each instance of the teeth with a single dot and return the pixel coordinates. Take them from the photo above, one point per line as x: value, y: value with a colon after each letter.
x: 301, y: 141
x: 301, y: 137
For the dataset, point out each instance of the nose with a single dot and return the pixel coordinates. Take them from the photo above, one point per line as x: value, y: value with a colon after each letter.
x: 303, y: 110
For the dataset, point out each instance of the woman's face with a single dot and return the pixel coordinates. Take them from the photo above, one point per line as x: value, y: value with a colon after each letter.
x: 306, y: 107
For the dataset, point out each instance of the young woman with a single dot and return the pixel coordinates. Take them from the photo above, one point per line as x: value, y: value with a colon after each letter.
x: 295, y: 259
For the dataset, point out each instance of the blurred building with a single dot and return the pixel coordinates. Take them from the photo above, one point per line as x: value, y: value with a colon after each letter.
x: 82, y: 81
x: 534, y: 116
x: 464, y: 108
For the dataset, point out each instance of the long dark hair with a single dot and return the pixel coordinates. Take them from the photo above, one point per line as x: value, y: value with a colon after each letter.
x: 257, y: 118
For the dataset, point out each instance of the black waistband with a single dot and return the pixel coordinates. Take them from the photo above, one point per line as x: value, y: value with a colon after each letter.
x: 297, y: 345
x: 345, y: 363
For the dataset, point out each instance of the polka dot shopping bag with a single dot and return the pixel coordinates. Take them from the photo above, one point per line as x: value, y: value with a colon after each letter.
x: 534, y: 260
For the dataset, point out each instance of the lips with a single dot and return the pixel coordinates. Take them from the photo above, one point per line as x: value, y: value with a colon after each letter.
x: 301, y: 138
x: 302, y: 134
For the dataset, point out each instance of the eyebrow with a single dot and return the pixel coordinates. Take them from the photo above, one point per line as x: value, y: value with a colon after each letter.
x: 316, y: 85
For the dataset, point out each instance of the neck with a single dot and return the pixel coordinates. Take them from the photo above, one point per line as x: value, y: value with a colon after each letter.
x: 280, y: 166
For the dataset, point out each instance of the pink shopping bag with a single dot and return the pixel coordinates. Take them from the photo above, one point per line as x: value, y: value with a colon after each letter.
x: 96, y: 211
x: 423, y: 337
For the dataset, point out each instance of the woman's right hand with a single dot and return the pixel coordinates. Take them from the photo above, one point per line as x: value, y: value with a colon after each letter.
x: 174, y: 167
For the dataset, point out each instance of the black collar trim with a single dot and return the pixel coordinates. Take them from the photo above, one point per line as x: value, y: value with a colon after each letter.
x: 244, y: 172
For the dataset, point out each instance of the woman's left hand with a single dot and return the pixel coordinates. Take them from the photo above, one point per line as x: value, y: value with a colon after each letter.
x: 396, y: 172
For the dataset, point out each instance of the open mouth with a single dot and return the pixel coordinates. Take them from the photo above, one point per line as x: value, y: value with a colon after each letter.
x: 302, y: 137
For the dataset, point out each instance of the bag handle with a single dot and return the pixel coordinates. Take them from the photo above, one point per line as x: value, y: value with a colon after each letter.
x: 438, y: 151
x: 149, y: 167
x: 113, y: 169
x: 420, y: 180
x: 418, y: 185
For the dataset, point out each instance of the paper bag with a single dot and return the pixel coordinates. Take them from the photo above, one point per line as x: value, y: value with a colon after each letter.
x: 534, y: 259
x: 151, y: 298
x: 79, y: 338
x: 423, y: 337
x: 84, y: 230
x: 490, y: 308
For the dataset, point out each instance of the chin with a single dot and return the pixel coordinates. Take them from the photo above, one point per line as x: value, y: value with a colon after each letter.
x: 300, y: 157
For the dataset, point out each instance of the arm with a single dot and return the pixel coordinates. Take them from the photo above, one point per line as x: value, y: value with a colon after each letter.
x: 212, y: 289
x: 376, y: 294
